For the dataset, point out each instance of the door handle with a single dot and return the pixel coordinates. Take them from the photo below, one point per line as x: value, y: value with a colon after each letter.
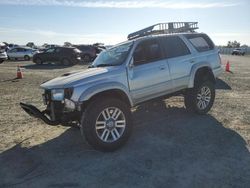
x: 192, y: 61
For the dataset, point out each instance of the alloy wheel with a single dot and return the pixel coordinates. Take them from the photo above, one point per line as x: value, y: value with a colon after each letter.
x: 203, y: 97
x: 110, y: 124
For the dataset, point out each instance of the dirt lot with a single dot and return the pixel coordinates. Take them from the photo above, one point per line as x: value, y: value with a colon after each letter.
x: 168, y: 148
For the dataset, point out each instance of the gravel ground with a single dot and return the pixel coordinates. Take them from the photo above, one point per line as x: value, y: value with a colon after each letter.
x: 168, y: 148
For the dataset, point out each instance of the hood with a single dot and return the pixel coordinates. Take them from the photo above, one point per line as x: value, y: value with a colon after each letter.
x: 71, y: 78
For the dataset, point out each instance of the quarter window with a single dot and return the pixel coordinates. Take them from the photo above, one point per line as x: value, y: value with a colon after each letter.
x: 147, y: 51
x: 174, y: 47
x: 201, y: 42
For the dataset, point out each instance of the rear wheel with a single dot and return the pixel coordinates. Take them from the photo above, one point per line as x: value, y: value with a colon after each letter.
x: 1, y: 61
x: 107, y: 124
x: 26, y: 58
x: 200, y: 99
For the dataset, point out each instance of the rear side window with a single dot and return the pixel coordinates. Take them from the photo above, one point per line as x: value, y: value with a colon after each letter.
x: 174, y: 47
x: 147, y: 51
x: 201, y: 42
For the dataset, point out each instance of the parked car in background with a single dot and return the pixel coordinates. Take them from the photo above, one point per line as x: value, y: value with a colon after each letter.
x: 3, y: 54
x: 239, y: 51
x: 88, y: 52
x: 25, y: 53
x: 64, y: 55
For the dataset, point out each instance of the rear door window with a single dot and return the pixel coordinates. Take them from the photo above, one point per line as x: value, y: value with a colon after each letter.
x: 147, y: 51
x: 174, y: 47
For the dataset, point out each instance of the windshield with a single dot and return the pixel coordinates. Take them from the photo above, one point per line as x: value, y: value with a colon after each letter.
x: 113, y: 56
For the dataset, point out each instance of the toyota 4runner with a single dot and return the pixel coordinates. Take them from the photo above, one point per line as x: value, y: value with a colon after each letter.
x: 143, y: 68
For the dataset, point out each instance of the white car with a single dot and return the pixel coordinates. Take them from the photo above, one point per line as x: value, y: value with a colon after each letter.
x: 3, y: 54
x: 21, y: 53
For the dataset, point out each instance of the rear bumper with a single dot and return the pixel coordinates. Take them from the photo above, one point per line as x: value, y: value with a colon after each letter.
x: 34, y: 112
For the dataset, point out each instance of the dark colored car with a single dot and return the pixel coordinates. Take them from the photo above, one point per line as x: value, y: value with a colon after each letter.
x: 64, y: 55
x: 99, y: 47
x: 88, y: 52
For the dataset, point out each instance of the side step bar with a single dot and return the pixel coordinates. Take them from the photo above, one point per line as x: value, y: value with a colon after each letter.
x: 34, y: 112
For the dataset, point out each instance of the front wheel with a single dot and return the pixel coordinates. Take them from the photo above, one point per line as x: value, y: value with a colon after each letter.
x: 107, y: 124
x: 66, y: 62
x: 38, y: 61
x: 200, y: 99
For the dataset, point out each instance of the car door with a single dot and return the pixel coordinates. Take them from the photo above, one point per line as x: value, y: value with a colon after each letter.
x: 180, y: 60
x: 12, y: 53
x: 149, y: 76
x: 49, y: 55
x: 58, y: 54
x: 20, y: 53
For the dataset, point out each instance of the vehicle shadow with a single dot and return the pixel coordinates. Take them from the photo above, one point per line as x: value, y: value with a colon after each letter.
x: 168, y: 148
x: 221, y: 84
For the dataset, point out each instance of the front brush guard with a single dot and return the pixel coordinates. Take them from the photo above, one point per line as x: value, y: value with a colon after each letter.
x: 34, y: 112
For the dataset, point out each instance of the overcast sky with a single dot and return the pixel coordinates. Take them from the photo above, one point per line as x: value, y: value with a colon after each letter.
x: 110, y: 21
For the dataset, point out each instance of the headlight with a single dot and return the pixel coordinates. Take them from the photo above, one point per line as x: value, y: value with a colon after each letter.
x: 57, y: 94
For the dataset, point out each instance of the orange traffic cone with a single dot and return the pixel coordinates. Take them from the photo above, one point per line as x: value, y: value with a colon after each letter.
x: 19, y: 73
x: 228, y: 67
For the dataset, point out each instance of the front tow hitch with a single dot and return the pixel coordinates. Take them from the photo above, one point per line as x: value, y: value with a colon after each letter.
x: 34, y: 112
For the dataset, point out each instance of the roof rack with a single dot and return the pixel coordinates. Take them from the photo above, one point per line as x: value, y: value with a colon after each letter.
x: 165, y: 28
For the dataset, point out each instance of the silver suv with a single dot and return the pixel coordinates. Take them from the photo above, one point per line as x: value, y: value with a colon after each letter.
x: 99, y: 99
